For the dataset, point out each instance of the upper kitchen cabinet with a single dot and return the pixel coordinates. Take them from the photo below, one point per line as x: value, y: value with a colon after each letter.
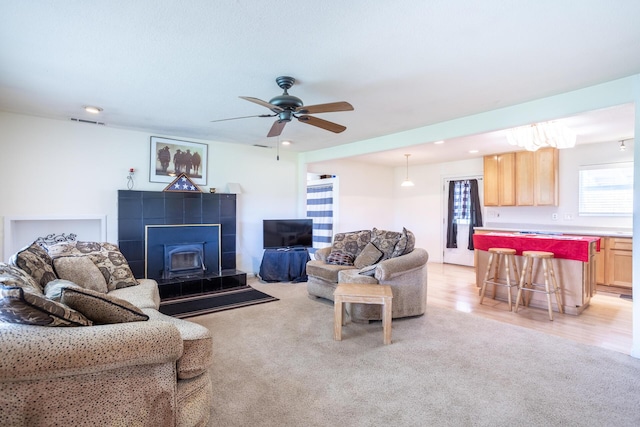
x: 546, y: 177
x: 499, y: 180
x: 523, y: 178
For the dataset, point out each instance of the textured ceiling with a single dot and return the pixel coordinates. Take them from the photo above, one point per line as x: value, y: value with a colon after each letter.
x: 171, y: 67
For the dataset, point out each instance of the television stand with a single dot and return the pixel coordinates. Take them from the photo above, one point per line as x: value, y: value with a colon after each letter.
x: 284, y: 265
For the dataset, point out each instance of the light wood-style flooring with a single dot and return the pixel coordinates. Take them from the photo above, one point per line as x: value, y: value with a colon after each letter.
x: 605, y: 323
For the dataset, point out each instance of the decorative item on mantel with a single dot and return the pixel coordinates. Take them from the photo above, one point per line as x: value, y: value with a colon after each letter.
x: 130, y: 182
x: 234, y: 188
x: 182, y: 184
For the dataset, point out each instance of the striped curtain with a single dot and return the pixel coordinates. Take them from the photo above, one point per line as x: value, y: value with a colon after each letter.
x: 320, y: 209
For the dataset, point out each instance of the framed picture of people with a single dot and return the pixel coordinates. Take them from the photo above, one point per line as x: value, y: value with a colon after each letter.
x: 170, y: 157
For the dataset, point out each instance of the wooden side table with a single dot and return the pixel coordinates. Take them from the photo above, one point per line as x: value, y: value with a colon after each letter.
x: 363, y: 294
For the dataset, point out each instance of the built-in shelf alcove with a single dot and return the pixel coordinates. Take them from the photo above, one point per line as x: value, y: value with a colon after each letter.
x: 20, y: 231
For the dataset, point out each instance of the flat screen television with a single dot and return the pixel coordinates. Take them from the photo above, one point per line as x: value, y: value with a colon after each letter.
x: 287, y: 233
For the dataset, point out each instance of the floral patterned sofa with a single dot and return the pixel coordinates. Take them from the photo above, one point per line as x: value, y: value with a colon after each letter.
x: 374, y: 257
x: 82, y: 343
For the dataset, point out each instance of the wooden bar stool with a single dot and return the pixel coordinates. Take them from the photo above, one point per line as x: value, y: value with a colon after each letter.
x: 550, y: 283
x: 506, y: 257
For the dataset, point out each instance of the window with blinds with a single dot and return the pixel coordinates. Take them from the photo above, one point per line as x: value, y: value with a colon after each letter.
x: 606, y: 190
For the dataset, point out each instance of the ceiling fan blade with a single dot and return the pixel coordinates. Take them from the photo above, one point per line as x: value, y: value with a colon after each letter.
x: 276, y: 129
x: 243, y: 117
x: 324, y: 124
x: 325, y: 108
x: 272, y: 107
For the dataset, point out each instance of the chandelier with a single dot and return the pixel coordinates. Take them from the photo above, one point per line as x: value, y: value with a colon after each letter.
x: 539, y: 135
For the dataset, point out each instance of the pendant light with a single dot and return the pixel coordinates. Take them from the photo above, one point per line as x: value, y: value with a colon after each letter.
x: 622, y: 146
x: 407, y: 182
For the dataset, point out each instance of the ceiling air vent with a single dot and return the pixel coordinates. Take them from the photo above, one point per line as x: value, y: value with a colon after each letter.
x: 86, y: 121
x: 261, y: 146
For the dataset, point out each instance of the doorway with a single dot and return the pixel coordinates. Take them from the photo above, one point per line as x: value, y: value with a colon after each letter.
x: 460, y: 255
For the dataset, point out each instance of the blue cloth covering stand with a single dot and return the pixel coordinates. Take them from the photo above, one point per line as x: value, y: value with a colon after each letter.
x: 284, y: 265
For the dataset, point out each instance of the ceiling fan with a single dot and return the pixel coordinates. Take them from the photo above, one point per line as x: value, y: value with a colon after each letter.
x: 286, y: 107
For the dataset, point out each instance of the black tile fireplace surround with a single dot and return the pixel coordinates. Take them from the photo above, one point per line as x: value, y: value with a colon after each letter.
x: 137, y: 209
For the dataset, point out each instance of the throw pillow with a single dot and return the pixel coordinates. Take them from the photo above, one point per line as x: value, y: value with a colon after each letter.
x: 405, y: 245
x: 369, y: 270
x: 106, y: 256
x: 385, y: 241
x: 18, y: 305
x: 101, y: 308
x: 36, y: 262
x: 351, y: 243
x: 22, y: 301
x: 411, y: 242
x: 53, y: 290
x: 339, y: 258
x: 72, y: 248
x: 369, y: 255
x: 82, y: 271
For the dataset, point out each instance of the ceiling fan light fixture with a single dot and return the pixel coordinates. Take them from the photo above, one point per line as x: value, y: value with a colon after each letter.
x: 539, y: 135
x: 407, y: 182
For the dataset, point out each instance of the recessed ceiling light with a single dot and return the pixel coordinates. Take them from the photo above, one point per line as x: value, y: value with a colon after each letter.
x: 286, y: 142
x: 473, y: 151
x: 91, y: 109
x: 438, y: 142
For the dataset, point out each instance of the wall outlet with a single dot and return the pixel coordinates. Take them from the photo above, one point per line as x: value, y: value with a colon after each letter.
x: 554, y: 216
x: 568, y: 216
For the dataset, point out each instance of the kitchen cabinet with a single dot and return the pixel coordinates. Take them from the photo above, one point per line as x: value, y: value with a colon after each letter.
x: 546, y: 177
x: 618, y: 262
x: 600, y: 262
x: 499, y: 180
x: 523, y: 178
x: 614, y: 262
x: 525, y: 171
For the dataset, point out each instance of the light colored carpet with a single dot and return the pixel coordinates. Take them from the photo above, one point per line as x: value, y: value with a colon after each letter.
x: 277, y: 364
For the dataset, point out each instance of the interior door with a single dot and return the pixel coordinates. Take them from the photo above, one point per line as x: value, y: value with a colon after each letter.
x: 460, y: 255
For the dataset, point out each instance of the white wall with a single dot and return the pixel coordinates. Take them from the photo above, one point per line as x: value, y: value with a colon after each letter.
x: 419, y: 208
x: 59, y: 168
x: 371, y: 196
x: 365, y: 194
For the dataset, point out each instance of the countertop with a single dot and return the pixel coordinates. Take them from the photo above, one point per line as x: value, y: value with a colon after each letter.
x: 547, y: 229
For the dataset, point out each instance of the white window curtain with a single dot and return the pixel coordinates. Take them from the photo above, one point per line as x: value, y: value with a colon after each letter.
x: 320, y: 209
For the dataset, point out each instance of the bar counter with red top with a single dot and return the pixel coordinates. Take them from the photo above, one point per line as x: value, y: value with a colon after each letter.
x: 564, y: 247
x: 574, y: 264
